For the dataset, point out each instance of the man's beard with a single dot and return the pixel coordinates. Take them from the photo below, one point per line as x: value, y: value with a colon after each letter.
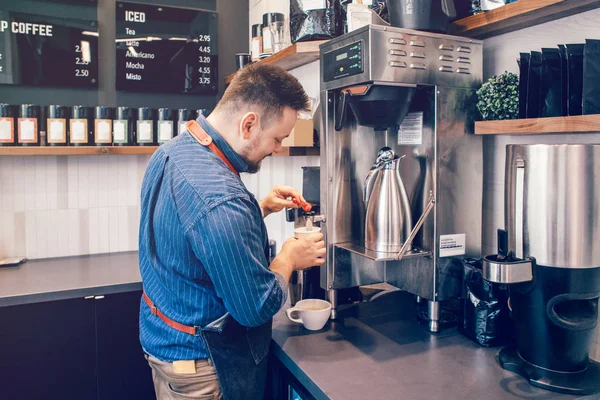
x: 253, y: 166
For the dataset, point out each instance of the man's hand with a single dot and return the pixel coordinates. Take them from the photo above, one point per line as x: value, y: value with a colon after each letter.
x: 297, y: 254
x: 280, y: 198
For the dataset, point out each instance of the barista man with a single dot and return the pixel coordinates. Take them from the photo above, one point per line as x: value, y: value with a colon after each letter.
x: 209, y: 291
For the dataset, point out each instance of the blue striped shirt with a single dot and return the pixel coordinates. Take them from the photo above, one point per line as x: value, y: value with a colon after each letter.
x: 203, y: 247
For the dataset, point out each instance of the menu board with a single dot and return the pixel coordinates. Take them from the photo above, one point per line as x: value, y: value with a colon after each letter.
x: 165, y: 49
x: 48, y: 51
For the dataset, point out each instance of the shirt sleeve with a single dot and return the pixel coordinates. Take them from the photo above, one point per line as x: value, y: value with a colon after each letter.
x: 229, y: 243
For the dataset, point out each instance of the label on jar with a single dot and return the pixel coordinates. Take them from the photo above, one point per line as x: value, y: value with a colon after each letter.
x: 28, y: 130
x: 309, y: 5
x: 267, y: 43
x: 165, y: 131
x: 79, y: 130
x: 103, y: 131
x: 57, y: 130
x: 144, y: 131
x: 182, y: 127
x: 7, y: 130
x: 120, y: 130
x: 256, y: 48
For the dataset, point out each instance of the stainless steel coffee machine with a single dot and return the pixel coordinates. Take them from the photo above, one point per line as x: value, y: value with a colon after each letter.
x: 411, y: 93
x: 550, y: 258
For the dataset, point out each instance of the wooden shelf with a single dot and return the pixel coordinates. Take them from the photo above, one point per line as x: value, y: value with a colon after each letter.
x: 76, y: 151
x: 536, y: 126
x: 518, y: 15
x: 120, y: 150
x: 291, y: 57
x: 298, y: 151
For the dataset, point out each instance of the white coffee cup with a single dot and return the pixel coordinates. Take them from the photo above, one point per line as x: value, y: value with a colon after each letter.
x: 302, y: 231
x: 313, y: 313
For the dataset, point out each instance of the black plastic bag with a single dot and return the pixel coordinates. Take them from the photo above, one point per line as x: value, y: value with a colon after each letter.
x: 551, y: 88
x: 591, y: 77
x: 380, y: 8
x: 485, y: 314
x: 523, y: 75
x: 575, y: 79
x: 309, y: 23
x: 534, y: 83
x: 564, y: 78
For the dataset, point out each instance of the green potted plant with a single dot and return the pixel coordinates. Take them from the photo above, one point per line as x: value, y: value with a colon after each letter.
x: 498, y: 98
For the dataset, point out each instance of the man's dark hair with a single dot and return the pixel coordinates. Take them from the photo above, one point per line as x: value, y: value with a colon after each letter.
x: 268, y: 87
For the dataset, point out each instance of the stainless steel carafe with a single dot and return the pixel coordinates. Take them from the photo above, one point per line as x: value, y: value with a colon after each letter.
x: 388, y: 219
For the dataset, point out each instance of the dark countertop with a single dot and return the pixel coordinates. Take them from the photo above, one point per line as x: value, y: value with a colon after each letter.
x: 379, y: 350
x: 69, y: 277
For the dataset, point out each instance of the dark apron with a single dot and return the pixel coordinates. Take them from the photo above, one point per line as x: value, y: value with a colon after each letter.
x: 240, y: 356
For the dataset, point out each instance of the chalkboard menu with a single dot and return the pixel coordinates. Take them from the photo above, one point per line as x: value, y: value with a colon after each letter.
x: 48, y: 51
x: 165, y: 49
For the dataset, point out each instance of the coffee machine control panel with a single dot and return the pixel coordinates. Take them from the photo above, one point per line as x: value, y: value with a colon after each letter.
x: 343, y: 62
x: 401, y: 56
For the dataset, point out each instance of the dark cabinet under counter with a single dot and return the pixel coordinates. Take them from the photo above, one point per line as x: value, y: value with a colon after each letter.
x: 79, y: 349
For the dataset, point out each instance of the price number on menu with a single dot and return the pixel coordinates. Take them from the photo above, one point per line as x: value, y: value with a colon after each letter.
x: 204, y: 38
x: 204, y: 70
x: 81, y: 61
x: 204, y: 60
x: 204, y: 49
x: 204, y: 81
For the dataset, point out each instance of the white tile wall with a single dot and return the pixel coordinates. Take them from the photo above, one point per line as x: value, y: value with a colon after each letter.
x: 65, y: 206
x: 500, y: 54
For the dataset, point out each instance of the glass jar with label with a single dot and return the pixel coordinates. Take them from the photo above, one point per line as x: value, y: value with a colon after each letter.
x: 145, y: 127
x: 166, y: 129
x: 7, y: 125
x: 268, y: 18
x: 28, y: 133
x: 102, y: 126
x: 184, y: 115
x: 81, y: 126
x: 256, y: 44
x: 124, y: 126
x: 56, y: 125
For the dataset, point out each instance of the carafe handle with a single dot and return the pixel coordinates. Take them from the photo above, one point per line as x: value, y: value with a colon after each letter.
x: 340, y: 112
x: 519, y: 209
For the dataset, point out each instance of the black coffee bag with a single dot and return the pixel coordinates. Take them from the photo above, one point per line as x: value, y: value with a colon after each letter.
x: 551, y: 88
x: 564, y: 78
x: 591, y: 77
x: 534, y: 83
x: 523, y: 75
x: 575, y: 78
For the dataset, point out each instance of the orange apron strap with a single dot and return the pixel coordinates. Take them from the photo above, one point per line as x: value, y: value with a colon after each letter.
x: 206, y: 140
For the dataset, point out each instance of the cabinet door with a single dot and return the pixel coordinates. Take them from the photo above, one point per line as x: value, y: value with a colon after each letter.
x: 123, y: 372
x: 48, y: 351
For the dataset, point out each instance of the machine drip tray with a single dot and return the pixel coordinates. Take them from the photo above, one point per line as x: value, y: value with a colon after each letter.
x: 380, y: 256
x: 577, y: 383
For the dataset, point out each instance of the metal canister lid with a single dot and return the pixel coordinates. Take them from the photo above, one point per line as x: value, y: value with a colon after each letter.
x: 257, y: 30
x: 272, y: 17
x: 80, y: 112
x: 145, y: 114
x: 29, y: 111
x: 165, y: 114
x: 123, y: 113
x: 102, y: 112
x: 56, y: 111
x: 6, y: 110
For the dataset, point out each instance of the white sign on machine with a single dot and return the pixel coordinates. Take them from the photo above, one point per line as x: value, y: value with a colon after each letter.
x: 411, y: 130
x: 453, y: 245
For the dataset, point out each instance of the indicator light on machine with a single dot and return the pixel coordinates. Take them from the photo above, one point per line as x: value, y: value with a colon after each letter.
x: 341, y: 69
